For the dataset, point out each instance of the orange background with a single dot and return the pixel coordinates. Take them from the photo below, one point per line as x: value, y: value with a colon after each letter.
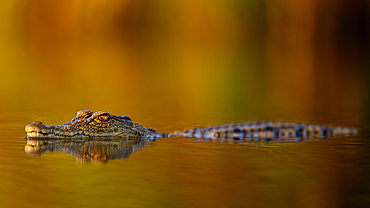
x: 190, y: 62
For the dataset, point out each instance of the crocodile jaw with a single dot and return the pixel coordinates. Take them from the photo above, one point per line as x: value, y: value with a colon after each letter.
x: 38, y: 129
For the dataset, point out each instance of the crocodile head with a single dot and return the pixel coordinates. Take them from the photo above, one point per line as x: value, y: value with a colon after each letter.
x: 89, y: 124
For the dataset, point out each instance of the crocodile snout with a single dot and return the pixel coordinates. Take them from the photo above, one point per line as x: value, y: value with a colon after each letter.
x: 37, y: 128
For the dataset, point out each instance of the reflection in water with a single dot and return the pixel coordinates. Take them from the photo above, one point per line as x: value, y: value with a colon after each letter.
x: 96, y: 150
x: 100, y: 150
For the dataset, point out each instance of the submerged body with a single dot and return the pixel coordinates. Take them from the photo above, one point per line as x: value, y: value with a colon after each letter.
x: 103, y: 124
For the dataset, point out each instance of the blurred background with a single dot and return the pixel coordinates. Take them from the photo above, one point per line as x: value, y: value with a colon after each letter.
x: 175, y: 64
x: 184, y: 63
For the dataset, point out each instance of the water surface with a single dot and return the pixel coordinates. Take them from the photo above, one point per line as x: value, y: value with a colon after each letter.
x: 185, y: 172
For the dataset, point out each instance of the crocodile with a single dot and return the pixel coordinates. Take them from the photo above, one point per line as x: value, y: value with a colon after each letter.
x: 103, y: 124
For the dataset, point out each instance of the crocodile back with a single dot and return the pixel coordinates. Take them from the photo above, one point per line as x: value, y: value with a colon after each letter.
x: 268, y: 129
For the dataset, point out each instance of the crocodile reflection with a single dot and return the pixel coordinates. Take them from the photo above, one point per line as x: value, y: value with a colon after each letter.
x: 101, y: 150
x: 96, y: 150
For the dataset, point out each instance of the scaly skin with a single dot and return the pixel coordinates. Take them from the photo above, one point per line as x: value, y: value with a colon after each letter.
x: 89, y: 124
x: 265, y: 130
x: 103, y: 124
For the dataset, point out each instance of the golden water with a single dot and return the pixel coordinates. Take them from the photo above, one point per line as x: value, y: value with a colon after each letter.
x: 185, y: 172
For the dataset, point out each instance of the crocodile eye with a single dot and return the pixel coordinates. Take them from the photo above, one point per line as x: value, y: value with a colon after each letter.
x: 104, y: 117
